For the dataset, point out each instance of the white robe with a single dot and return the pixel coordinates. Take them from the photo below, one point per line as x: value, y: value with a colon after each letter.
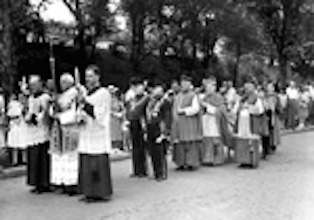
x: 95, y: 135
x: 17, y: 135
x: 64, y: 167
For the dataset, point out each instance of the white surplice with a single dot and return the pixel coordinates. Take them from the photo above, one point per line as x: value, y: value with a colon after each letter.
x: 95, y: 135
x: 244, y: 123
x: 38, y: 106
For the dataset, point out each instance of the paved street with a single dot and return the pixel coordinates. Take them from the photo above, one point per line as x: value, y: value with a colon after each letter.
x: 282, y: 188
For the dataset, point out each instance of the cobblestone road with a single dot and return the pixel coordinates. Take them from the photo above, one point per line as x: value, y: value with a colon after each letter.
x: 281, y: 189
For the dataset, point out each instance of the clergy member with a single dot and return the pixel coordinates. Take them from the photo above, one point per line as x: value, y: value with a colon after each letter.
x: 187, y: 128
x: 63, y: 146
x: 94, y: 140
x: 249, y: 126
x: 38, y: 165
x: 215, y: 125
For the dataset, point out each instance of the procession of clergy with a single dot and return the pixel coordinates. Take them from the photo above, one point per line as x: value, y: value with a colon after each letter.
x: 68, y: 138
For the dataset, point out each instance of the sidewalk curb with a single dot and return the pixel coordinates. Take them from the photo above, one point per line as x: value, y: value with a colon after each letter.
x: 292, y: 132
x: 21, y: 171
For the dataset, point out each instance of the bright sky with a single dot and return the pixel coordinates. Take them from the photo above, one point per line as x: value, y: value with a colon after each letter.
x: 57, y: 11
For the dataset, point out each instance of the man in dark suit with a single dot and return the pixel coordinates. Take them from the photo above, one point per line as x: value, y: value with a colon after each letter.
x: 136, y: 115
x: 158, y: 115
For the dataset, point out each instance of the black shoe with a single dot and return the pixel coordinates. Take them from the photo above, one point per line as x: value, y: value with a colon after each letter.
x: 72, y: 193
x: 180, y: 168
x: 142, y: 175
x: 35, y: 191
x: 86, y: 199
x: 191, y: 168
x: 209, y: 164
x: 94, y: 199
x: 44, y: 190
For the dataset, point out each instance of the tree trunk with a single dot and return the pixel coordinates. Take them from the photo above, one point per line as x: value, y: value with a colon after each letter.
x: 8, y: 61
x: 283, y: 65
x: 236, y: 67
x: 137, y: 37
x: 194, y: 54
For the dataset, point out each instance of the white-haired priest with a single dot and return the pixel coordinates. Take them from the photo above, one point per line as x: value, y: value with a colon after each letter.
x: 36, y: 117
x: 94, y: 140
x: 63, y: 144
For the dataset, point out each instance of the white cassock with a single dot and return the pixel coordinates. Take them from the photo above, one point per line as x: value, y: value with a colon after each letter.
x: 95, y: 135
x: 64, y: 166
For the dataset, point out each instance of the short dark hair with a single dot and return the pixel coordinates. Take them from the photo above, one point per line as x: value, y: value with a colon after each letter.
x: 186, y: 77
x: 210, y: 78
x: 135, y: 81
x: 94, y: 68
x: 158, y: 82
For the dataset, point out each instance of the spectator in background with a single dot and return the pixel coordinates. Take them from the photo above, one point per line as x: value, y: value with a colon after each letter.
x: 231, y: 95
x: 272, y: 106
x: 117, y: 116
x: 304, y: 103
x: 50, y: 87
x: 2, y: 119
x: 292, y: 106
x: 17, y: 129
x: 311, y: 105
x: 283, y: 99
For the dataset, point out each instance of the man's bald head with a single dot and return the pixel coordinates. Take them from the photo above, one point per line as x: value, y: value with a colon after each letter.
x: 35, y: 84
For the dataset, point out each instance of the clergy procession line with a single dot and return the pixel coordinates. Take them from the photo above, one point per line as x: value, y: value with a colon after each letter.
x: 66, y: 139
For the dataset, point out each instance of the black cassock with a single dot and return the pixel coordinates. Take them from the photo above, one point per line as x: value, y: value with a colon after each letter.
x: 38, y: 166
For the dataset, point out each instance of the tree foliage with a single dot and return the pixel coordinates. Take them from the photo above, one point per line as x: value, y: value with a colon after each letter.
x: 17, y: 20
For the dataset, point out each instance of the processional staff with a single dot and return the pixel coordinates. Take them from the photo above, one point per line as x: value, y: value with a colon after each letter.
x: 52, y: 62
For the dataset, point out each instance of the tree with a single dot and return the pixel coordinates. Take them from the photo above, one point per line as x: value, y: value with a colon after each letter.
x: 93, y: 20
x: 281, y: 21
x: 243, y: 35
x: 17, y: 21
